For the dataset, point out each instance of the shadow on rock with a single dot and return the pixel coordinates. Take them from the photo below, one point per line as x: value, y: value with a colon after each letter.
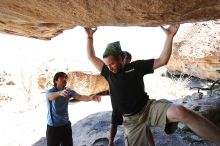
x: 42, y: 142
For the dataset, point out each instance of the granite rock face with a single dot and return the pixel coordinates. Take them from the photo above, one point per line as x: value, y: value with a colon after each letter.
x: 46, y: 19
x: 196, y: 51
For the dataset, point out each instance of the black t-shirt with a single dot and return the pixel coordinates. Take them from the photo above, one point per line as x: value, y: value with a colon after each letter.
x: 117, y: 118
x: 127, y: 87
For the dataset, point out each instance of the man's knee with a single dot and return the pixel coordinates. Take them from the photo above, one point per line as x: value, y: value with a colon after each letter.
x: 177, y: 113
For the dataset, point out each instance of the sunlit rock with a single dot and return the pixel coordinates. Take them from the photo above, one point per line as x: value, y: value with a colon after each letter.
x: 47, y: 19
x: 196, y: 51
x: 85, y: 83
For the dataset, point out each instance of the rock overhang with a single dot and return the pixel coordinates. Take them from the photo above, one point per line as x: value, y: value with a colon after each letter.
x: 44, y: 20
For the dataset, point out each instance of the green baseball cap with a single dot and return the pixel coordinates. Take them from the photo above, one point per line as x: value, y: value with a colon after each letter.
x: 113, y: 49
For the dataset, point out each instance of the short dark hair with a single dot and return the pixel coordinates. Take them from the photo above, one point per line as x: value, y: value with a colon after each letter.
x: 56, y: 77
x: 126, y: 54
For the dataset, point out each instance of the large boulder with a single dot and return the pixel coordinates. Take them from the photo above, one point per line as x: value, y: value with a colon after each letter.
x: 85, y: 83
x: 79, y: 78
x: 46, y: 19
x: 93, y: 130
x: 196, y: 51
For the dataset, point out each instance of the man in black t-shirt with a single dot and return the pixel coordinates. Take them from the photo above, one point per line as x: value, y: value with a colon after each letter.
x: 128, y: 95
x: 117, y: 118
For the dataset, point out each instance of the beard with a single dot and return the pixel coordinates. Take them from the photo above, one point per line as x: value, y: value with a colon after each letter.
x: 119, y: 69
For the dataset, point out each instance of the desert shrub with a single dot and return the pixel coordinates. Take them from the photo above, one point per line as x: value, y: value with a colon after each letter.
x: 4, y: 97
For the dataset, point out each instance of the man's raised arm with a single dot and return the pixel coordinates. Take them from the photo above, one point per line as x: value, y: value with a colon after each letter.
x: 97, y: 62
x: 166, y: 53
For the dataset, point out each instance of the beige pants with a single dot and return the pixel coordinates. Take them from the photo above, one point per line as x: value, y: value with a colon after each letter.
x: 153, y: 114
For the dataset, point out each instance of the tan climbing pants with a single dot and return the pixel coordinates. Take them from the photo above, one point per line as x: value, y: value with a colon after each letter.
x: 153, y: 114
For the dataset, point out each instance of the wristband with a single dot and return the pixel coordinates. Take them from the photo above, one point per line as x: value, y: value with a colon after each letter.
x: 90, y: 38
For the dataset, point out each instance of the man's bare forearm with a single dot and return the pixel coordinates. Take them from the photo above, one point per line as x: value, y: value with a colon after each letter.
x: 113, y: 132
x: 90, y: 49
x: 166, y: 53
x: 97, y: 62
x: 167, y: 50
x: 54, y: 95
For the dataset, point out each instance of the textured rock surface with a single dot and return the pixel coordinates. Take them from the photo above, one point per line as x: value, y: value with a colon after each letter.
x: 80, y: 79
x: 94, y: 131
x: 207, y: 105
x: 96, y: 128
x: 197, y: 51
x: 82, y: 82
x: 87, y: 84
x: 46, y: 19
